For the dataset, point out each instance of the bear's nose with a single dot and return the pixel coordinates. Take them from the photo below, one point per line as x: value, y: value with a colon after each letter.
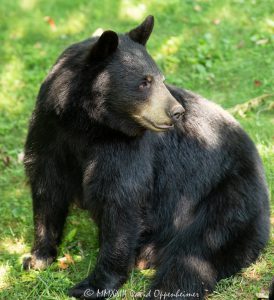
x: 177, y: 112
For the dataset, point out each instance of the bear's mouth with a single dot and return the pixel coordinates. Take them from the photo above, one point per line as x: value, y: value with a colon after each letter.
x: 158, y: 127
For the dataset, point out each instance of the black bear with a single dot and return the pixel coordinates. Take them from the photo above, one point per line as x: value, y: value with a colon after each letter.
x: 171, y: 179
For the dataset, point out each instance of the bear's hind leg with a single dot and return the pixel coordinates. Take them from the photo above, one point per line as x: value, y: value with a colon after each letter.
x: 182, y: 276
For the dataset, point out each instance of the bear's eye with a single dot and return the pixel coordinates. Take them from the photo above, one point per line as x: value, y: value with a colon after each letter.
x: 146, y: 83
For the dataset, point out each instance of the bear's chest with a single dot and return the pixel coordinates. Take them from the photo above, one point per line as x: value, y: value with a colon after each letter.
x: 117, y: 173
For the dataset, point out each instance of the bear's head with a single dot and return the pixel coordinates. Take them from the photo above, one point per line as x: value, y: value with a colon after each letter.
x: 119, y: 84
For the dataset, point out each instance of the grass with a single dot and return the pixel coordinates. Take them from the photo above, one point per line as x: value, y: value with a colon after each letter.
x: 220, y: 49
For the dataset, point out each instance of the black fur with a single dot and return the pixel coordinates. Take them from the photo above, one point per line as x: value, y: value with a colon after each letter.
x: 192, y: 200
x: 271, y: 291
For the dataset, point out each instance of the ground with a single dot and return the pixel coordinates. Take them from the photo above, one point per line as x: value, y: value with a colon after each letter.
x: 220, y: 49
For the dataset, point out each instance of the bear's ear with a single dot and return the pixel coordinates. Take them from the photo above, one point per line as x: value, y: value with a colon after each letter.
x: 141, y: 33
x: 105, y: 45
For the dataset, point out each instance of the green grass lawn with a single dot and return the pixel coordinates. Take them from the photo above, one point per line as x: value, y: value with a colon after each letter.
x: 223, y: 50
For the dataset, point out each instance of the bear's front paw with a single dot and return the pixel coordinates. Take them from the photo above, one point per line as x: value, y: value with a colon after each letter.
x: 36, y: 263
x: 84, y: 290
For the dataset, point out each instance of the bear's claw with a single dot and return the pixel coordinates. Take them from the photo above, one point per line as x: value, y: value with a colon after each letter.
x: 33, y: 262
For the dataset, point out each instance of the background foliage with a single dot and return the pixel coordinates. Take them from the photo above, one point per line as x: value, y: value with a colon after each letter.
x: 222, y: 49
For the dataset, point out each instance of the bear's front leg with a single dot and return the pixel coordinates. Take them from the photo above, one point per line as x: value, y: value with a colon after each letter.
x: 119, y: 231
x: 51, y: 195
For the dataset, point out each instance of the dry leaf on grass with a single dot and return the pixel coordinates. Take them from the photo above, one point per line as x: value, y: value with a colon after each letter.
x: 51, y: 22
x: 257, y: 83
x: 65, y: 261
x: 6, y: 161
